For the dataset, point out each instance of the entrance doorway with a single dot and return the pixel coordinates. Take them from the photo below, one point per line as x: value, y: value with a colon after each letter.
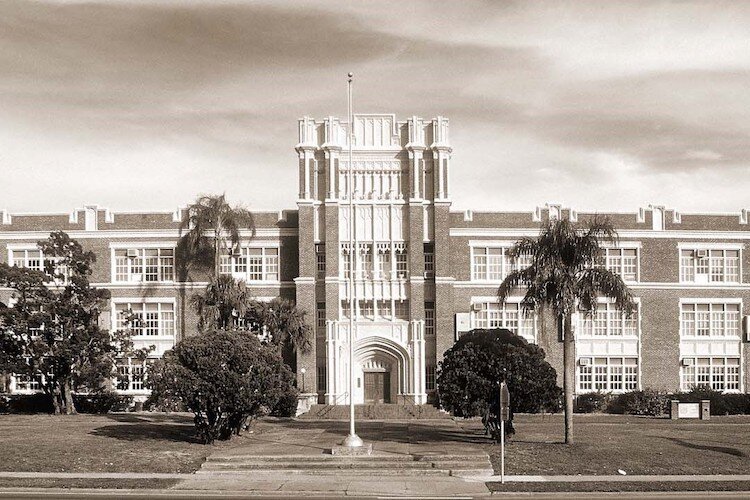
x: 377, y: 387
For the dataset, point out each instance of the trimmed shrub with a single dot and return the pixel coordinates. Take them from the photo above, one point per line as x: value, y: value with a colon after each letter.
x: 225, y: 378
x: 102, y: 402
x: 646, y: 402
x: 287, y: 405
x: 470, y: 371
x: 590, y: 402
x: 721, y: 403
x: 30, y: 403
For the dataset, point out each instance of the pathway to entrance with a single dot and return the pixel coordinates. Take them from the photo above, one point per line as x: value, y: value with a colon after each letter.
x: 409, y: 457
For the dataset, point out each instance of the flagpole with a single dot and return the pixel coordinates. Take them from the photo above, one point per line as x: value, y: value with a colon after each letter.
x: 352, y: 440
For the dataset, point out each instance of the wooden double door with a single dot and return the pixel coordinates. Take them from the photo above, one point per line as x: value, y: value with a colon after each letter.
x: 377, y: 387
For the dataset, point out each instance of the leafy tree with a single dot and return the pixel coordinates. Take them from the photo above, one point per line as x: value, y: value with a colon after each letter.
x: 224, y: 378
x: 52, y: 331
x: 564, y: 276
x: 212, y: 215
x: 471, y: 369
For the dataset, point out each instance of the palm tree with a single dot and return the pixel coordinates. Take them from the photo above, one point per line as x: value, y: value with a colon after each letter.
x: 564, y: 276
x: 222, y: 304
x: 213, y: 215
x: 282, y: 322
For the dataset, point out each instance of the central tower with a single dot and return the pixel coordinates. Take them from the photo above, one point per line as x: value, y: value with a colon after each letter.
x: 401, y: 201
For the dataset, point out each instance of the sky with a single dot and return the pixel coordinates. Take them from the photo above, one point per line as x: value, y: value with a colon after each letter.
x: 600, y: 106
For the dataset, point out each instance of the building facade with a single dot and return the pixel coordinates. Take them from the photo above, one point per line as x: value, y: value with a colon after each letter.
x: 423, y: 274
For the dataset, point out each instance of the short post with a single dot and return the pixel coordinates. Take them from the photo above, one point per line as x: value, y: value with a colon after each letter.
x: 674, y: 408
x: 504, y: 415
x: 502, y: 451
x: 705, y: 408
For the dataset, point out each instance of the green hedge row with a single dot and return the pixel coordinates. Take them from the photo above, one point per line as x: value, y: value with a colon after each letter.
x: 655, y: 403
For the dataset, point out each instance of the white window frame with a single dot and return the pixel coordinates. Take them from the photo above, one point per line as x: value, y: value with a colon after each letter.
x: 693, y: 366
x: 696, y: 246
x: 26, y: 248
x: 486, y: 301
x: 141, y: 247
x: 609, y: 372
x: 710, y: 302
x: 621, y: 247
x: 264, y: 246
x: 506, y: 265
x: 610, y: 308
x: 131, y: 363
x: 114, y: 302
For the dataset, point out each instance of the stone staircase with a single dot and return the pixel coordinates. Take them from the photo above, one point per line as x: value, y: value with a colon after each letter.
x: 464, y: 465
x: 375, y: 412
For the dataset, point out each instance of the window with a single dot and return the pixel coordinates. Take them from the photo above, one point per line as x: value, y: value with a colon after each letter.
x: 612, y: 373
x: 131, y: 374
x: 345, y: 309
x: 622, y: 261
x: 429, y: 378
x: 321, y: 378
x: 710, y: 320
x: 346, y: 263
x: 320, y: 318
x: 384, y: 309
x: 366, y: 309
x: 720, y: 374
x: 31, y: 259
x: 150, y: 319
x: 35, y: 259
x: 709, y: 266
x: 384, y: 261
x: 494, y: 263
x: 607, y: 322
x: 365, y: 263
x: 252, y: 263
x: 402, y: 261
x: 510, y: 315
x: 429, y: 260
x: 28, y: 383
x: 401, y: 309
x: 320, y: 260
x: 429, y: 318
x: 138, y: 265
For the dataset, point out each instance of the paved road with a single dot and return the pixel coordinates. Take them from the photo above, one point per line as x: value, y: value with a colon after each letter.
x: 48, y: 493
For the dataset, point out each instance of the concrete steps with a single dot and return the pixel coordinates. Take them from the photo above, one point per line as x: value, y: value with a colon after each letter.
x: 375, y: 412
x: 477, y: 465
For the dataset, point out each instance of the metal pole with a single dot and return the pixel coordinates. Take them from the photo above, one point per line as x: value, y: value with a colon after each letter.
x: 502, y: 450
x: 352, y: 440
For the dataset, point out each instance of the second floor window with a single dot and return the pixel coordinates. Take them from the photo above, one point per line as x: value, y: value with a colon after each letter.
x: 320, y: 260
x: 149, y: 319
x: 510, y: 316
x: 608, y: 321
x: 622, y: 261
x: 429, y: 318
x: 137, y: 265
x: 494, y: 263
x: 709, y: 266
x: 710, y: 320
x: 252, y: 264
x: 429, y: 260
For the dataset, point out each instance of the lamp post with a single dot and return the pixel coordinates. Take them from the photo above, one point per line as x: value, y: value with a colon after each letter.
x: 303, y: 371
x: 352, y: 440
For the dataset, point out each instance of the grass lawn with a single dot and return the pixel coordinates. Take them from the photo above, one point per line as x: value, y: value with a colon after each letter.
x: 621, y: 487
x: 638, y: 445
x: 120, y: 442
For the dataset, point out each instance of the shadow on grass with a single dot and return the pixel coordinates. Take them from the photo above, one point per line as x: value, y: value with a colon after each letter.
x: 718, y: 449
x: 149, y: 427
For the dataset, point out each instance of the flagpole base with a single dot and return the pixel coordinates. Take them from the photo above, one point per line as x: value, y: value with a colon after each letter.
x: 352, y: 446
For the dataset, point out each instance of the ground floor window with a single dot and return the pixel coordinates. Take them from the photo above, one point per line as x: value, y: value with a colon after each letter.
x: 611, y: 373
x: 509, y: 315
x: 131, y: 374
x: 430, y: 378
x: 321, y: 378
x: 720, y: 374
x: 28, y: 383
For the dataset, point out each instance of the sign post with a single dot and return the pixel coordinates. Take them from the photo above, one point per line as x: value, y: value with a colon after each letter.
x: 504, y: 415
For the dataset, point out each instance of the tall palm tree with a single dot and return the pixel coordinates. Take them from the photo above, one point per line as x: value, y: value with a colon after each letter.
x: 564, y: 276
x: 212, y: 215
